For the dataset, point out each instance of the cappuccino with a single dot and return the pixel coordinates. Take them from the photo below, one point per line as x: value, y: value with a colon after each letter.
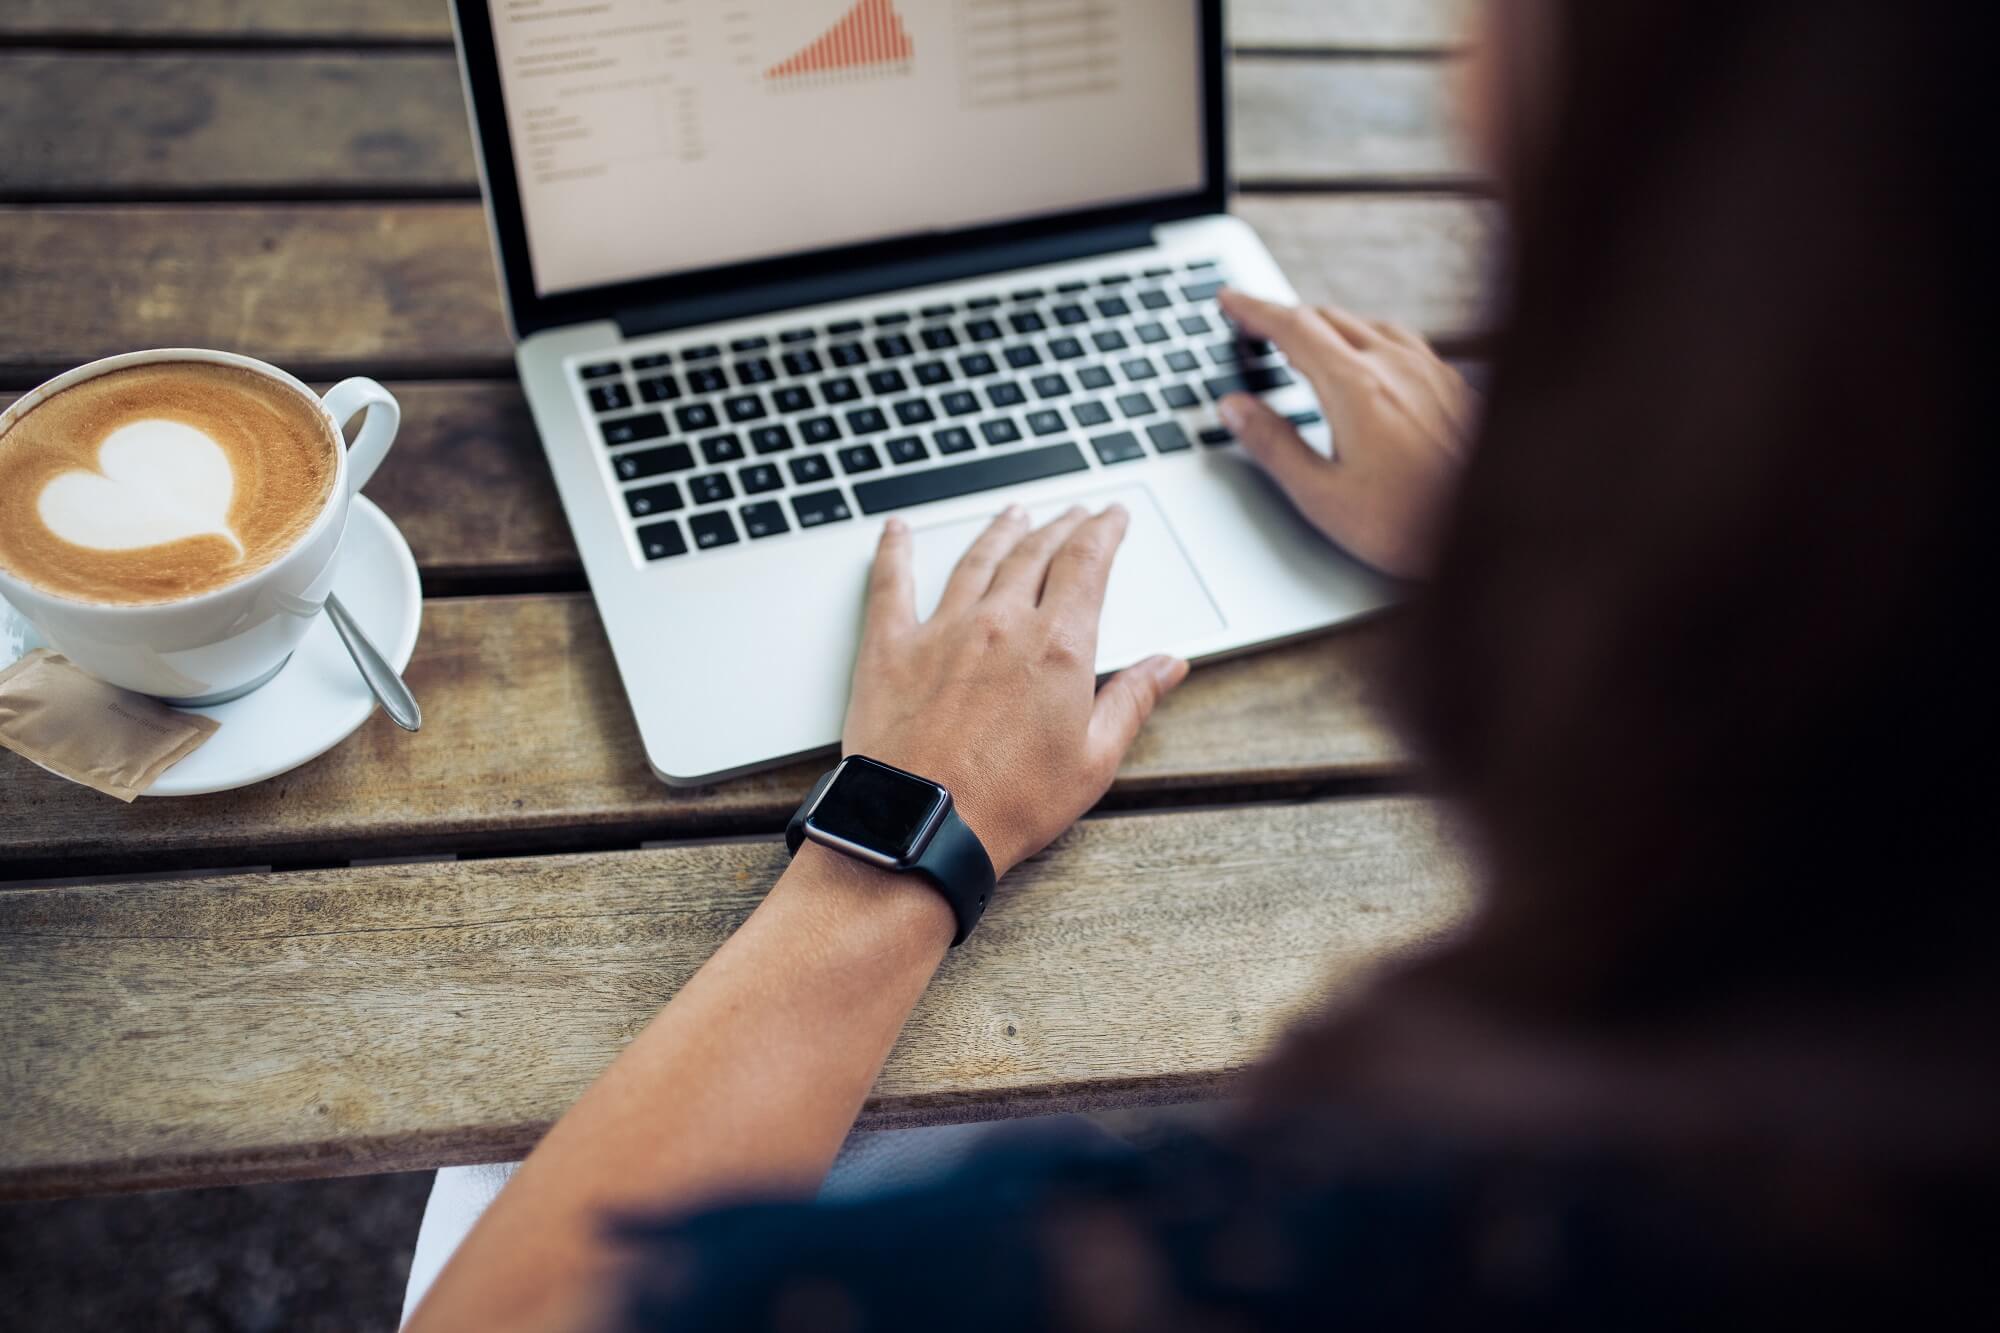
x: 161, y: 481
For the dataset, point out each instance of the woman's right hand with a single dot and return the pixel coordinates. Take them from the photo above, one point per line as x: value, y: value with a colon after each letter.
x: 1401, y: 419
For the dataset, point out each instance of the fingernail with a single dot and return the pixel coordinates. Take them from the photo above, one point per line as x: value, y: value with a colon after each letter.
x: 1231, y: 413
x: 1014, y: 512
x: 1119, y: 510
x: 896, y: 526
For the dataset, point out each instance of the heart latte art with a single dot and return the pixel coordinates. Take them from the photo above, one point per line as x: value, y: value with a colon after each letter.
x: 160, y: 482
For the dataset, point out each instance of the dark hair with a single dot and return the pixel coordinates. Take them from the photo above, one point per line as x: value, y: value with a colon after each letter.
x: 1700, y: 666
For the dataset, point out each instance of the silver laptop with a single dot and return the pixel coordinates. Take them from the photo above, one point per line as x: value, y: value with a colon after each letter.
x: 776, y: 272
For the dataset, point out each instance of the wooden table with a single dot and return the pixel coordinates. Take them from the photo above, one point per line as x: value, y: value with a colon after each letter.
x: 417, y: 949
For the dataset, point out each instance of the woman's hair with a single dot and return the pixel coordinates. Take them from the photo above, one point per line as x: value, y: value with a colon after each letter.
x: 1701, y: 666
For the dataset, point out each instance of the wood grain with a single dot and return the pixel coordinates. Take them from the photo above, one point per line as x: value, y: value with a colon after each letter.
x: 392, y: 123
x: 1352, y: 24
x: 250, y: 1027
x: 528, y: 744
x: 408, y: 289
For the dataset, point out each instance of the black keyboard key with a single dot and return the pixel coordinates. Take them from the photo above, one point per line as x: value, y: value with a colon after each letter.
x: 1257, y: 348
x: 707, y: 379
x: 932, y: 372
x: 848, y: 354
x: 756, y: 342
x: 701, y: 352
x: 1020, y: 358
x: 1226, y: 354
x: 1050, y: 386
x: 1168, y: 437
x: 1046, y: 421
x: 1113, y: 306
x: 887, y: 381
x: 652, y: 361
x: 809, y: 468
x: 1194, y: 326
x: 798, y: 335
x: 711, y: 530
x: 768, y: 440
x: 720, y: 449
x: 914, y: 412
x: 1181, y: 361
x: 630, y: 430
x: 1005, y: 394
x: 866, y: 421
x: 660, y: 389
x: 757, y: 370
x: 1109, y: 340
x: 1065, y: 349
x: 1261, y: 379
x: 1000, y: 430
x: 1115, y: 279
x: 660, y: 540
x: 1179, y: 397
x: 892, y: 318
x: 892, y: 345
x: 959, y: 402
x: 758, y: 478
x: 1151, y: 333
x: 1158, y: 272
x: 1155, y: 299
x: 1027, y: 294
x: 938, y: 311
x: 1071, y: 314
x: 1135, y: 405
x: 661, y: 499
x: 599, y: 370
x: 820, y: 507
x: 611, y: 398
x: 805, y: 361
x: 1090, y: 414
x: 982, y: 330
x: 766, y: 518
x: 975, y: 364
x: 982, y: 303
x: 939, y: 338
x: 653, y: 462
x: 1140, y: 368
x: 1026, y: 322
x: 1201, y: 291
x: 1094, y: 377
x: 1120, y: 448
x: 839, y: 389
x: 860, y: 458
x: 1216, y: 435
x: 840, y: 326
x: 1303, y: 419
x: 907, y: 449
x: 1066, y: 288
x: 819, y: 430
x: 952, y: 440
x: 792, y: 398
x: 903, y: 489
x: 745, y: 407
x: 711, y: 488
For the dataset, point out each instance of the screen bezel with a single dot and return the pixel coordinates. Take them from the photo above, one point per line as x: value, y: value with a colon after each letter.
x: 900, y: 859
x: 967, y: 250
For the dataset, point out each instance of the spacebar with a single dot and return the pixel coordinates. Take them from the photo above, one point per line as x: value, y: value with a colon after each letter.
x: 942, y: 483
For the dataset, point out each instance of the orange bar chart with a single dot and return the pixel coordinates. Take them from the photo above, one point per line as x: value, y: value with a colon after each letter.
x: 868, y: 38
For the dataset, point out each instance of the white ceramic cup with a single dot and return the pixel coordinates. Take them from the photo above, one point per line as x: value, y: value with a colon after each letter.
x: 219, y: 644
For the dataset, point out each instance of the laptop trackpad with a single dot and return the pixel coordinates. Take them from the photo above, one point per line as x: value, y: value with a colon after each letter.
x: 1156, y: 602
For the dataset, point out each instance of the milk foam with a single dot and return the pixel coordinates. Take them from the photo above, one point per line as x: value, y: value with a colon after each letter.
x: 157, y: 481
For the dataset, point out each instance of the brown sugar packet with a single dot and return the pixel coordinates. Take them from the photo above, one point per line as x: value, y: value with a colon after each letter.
x: 53, y: 714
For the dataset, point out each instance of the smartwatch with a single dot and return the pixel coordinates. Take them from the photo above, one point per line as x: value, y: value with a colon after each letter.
x: 902, y: 823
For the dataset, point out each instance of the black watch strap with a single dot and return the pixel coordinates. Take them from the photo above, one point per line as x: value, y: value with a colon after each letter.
x: 954, y: 862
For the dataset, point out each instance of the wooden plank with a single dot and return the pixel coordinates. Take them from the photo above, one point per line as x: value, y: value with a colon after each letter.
x: 1345, y: 24
x: 408, y: 289
x: 528, y: 744
x: 390, y: 1018
x: 385, y: 124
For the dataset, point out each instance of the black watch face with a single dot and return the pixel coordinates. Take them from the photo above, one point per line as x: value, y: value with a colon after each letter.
x: 875, y: 808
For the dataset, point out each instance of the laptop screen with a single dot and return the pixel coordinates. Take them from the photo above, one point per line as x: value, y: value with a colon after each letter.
x: 654, y: 137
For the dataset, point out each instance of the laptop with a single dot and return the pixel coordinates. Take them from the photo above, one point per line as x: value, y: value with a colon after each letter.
x: 776, y: 272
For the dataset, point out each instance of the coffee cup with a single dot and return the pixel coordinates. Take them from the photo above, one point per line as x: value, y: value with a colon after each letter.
x: 227, y: 617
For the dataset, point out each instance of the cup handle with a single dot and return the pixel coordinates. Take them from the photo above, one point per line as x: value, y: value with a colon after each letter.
x: 378, y: 432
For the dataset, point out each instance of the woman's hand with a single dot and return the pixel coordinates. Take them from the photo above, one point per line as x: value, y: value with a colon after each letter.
x: 1401, y: 419
x: 995, y: 695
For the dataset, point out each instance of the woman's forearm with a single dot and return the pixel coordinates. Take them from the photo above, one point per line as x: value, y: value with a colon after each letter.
x: 747, y: 1082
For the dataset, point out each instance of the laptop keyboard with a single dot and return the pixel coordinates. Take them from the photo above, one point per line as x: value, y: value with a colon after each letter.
x: 809, y: 424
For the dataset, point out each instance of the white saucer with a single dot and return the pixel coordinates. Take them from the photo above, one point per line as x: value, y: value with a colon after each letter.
x: 319, y: 699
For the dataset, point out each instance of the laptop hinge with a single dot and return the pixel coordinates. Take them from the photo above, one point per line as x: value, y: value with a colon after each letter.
x: 895, y: 275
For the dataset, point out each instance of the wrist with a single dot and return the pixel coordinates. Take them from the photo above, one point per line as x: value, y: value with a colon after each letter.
x: 854, y: 897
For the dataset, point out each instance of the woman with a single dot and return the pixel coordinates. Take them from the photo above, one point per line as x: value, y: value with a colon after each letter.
x: 1697, y: 664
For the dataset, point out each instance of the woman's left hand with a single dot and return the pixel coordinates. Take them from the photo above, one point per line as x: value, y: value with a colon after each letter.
x: 995, y: 696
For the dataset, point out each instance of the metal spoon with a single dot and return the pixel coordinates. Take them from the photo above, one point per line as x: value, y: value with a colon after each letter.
x: 390, y: 691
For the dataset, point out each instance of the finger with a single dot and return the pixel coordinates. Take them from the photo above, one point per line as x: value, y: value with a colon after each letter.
x: 1021, y: 574
x: 892, y: 582
x: 1126, y: 701
x: 1299, y: 331
x: 1277, y: 446
x: 1390, y: 331
x: 974, y: 572
x: 1353, y: 329
x: 1080, y: 569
